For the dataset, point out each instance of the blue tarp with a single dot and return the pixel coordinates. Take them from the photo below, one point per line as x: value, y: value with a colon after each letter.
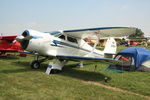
x: 139, y: 54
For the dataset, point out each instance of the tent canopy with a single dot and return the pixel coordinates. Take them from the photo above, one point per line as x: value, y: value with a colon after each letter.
x: 139, y: 54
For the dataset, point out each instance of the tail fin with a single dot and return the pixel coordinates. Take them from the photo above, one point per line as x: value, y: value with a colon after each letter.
x: 110, y: 46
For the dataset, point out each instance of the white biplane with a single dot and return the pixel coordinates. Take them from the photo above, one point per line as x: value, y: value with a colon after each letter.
x: 69, y: 45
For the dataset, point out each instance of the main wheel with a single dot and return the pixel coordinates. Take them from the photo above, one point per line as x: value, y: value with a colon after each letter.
x: 35, y: 64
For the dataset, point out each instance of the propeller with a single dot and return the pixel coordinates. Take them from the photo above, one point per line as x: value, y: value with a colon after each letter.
x: 25, y: 38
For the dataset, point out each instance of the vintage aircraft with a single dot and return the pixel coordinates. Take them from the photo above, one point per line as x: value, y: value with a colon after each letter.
x: 70, y: 45
x: 8, y: 44
x: 145, y: 40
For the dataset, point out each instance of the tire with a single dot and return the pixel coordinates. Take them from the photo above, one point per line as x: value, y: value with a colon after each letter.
x: 35, y: 64
x: 55, y: 71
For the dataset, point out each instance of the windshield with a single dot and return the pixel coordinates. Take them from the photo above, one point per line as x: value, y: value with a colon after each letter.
x: 55, y: 33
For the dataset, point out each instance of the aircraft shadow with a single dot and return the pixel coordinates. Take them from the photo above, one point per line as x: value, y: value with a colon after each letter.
x: 8, y: 57
x: 84, y: 75
x: 13, y: 71
x: 68, y: 70
x: 22, y: 67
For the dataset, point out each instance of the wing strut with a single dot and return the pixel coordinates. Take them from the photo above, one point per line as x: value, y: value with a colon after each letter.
x: 94, y: 47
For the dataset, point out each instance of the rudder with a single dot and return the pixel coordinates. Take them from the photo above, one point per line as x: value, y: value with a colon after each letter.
x: 111, y: 46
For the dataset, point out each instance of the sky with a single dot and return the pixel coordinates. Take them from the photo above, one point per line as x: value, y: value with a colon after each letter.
x: 51, y: 15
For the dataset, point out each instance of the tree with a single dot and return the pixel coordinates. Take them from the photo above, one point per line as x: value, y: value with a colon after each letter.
x: 138, y: 33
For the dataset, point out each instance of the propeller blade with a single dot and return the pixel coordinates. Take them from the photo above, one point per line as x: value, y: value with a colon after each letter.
x: 27, y: 38
x: 19, y: 40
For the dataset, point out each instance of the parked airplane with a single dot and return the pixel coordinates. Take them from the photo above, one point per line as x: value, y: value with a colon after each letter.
x: 70, y: 45
x: 145, y: 40
x: 7, y: 44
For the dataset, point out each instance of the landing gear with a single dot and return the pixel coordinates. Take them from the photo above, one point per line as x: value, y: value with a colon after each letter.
x: 36, y: 64
x: 52, y: 67
x: 55, y: 71
x: 55, y: 67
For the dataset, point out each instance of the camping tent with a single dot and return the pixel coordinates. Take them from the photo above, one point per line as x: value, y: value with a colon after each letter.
x: 139, y: 57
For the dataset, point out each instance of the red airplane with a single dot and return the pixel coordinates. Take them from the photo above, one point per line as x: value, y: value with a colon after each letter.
x: 7, y: 44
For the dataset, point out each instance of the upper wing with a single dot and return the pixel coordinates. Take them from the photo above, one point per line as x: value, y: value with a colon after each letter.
x: 101, y: 32
x: 8, y: 38
x: 79, y: 58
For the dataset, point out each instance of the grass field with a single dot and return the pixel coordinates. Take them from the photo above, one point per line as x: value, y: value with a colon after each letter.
x: 19, y: 82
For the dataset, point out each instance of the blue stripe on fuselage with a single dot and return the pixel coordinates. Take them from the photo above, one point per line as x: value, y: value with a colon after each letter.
x: 36, y: 37
x: 58, y: 43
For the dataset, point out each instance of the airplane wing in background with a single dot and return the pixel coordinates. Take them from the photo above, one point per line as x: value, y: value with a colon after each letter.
x: 8, y: 38
x: 101, y: 32
x: 79, y: 58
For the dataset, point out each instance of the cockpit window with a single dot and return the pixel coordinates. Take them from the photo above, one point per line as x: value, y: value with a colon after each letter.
x: 62, y: 37
x: 55, y: 33
x: 70, y: 39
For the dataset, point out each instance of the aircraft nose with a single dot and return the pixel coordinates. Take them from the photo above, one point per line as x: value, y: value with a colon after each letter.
x: 24, y: 39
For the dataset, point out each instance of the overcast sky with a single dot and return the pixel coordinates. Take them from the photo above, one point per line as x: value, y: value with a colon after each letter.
x: 50, y: 15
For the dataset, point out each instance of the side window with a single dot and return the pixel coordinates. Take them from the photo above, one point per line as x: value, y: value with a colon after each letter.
x: 62, y: 37
x: 70, y: 39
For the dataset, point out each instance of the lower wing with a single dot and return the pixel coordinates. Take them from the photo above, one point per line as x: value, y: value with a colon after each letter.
x: 79, y: 58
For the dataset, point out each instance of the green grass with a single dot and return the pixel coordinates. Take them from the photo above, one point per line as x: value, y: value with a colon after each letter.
x: 19, y: 82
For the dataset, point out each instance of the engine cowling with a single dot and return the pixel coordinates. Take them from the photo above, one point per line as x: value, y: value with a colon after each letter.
x: 27, y: 34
